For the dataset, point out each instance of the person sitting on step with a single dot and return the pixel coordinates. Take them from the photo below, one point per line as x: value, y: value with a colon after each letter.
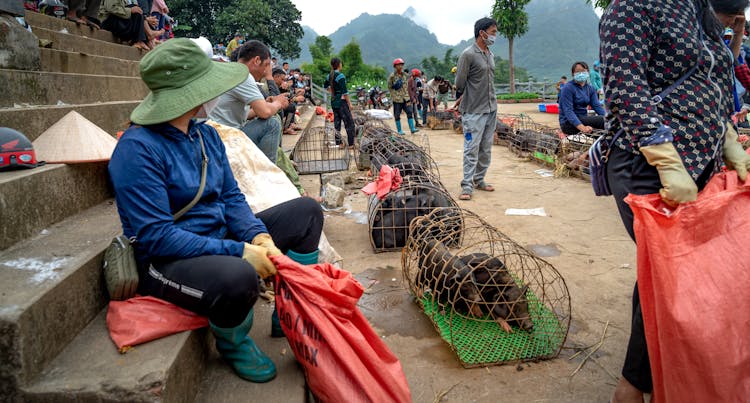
x: 209, y: 260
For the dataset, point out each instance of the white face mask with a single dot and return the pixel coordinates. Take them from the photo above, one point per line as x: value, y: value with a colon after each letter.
x: 490, y: 40
x: 206, y: 108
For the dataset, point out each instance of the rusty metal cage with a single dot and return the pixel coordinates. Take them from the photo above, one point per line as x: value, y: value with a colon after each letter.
x: 321, y: 150
x: 489, y: 298
x: 389, y: 218
x: 506, y: 126
x: 399, y: 152
x: 547, y: 146
x: 442, y: 120
x: 574, y: 155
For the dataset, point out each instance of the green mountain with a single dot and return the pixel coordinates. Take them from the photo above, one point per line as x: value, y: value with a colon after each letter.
x: 304, y: 44
x: 560, y: 33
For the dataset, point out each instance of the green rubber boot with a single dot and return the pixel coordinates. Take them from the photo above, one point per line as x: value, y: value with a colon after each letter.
x: 412, y: 127
x: 398, y: 128
x: 301, y: 258
x: 236, y: 347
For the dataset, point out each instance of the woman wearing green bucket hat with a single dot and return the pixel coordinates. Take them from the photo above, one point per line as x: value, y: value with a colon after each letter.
x: 208, y: 260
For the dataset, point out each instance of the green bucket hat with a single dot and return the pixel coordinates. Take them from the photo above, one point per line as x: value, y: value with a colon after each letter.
x: 181, y: 77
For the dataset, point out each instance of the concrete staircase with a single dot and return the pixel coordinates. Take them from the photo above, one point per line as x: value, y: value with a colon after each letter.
x: 56, y: 221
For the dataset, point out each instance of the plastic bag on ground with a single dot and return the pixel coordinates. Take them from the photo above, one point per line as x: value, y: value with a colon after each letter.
x: 694, y: 284
x: 343, y: 358
x: 141, y: 319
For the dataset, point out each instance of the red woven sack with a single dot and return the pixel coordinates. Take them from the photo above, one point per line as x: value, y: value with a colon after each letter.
x: 694, y: 284
x: 141, y: 319
x: 344, y: 359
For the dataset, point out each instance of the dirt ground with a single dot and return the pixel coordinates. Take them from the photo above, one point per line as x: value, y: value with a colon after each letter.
x: 596, y: 258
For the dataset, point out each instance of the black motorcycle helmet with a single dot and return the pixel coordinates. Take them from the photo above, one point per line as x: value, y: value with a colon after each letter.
x: 16, y: 151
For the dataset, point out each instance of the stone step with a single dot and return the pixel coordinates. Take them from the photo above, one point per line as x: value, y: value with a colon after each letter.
x: 221, y: 385
x: 32, y: 121
x: 49, y: 88
x: 91, y: 370
x: 62, y: 61
x: 32, y: 200
x: 51, y: 287
x: 75, y: 43
x: 38, y: 20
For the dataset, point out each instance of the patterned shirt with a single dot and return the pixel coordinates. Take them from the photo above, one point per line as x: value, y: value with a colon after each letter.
x: 647, y: 45
x: 402, y: 94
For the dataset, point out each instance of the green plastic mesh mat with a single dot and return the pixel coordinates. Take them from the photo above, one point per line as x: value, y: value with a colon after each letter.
x: 483, y: 342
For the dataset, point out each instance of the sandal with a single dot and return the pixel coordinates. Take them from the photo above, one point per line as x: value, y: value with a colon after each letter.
x: 484, y: 186
x: 465, y: 196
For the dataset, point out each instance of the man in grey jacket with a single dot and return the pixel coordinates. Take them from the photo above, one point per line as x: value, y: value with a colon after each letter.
x: 474, y: 78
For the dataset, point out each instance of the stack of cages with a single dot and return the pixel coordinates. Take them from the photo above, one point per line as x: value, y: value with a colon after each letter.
x: 506, y: 127
x: 444, y: 120
x: 419, y: 192
x: 574, y: 155
x: 321, y: 150
x: 490, y: 299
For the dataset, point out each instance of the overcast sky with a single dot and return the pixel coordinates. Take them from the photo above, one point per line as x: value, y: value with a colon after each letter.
x: 449, y: 22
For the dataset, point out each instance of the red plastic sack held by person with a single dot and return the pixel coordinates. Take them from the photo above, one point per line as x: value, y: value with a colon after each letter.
x: 141, y: 319
x: 344, y: 359
x: 694, y: 284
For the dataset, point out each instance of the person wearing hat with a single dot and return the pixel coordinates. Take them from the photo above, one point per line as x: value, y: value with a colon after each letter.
x: 397, y: 84
x: 209, y: 260
x: 596, y: 79
x: 414, y: 95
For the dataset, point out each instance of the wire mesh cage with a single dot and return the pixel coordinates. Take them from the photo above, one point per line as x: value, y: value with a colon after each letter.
x: 547, y: 147
x: 574, y: 155
x: 490, y: 299
x: 399, y: 152
x: 506, y: 126
x: 321, y: 150
x: 442, y: 120
x: 389, y: 218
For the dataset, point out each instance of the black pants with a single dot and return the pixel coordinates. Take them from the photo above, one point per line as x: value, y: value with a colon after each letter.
x: 343, y: 113
x: 630, y: 173
x: 225, y: 288
x: 597, y: 122
x: 126, y: 29
x: 401, y: 106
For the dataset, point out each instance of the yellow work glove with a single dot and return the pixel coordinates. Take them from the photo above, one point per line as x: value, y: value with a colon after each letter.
x: 734, y: 155
x: 677, y: 184
x: 257, y: 256
x: 265, y: 241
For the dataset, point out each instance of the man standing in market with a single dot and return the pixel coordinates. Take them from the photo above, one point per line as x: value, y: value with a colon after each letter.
x: 397, y: 84
x: 474, y: 78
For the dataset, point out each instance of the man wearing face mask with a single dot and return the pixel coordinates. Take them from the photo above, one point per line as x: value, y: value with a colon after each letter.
x: 475, y: 76
x: 246, y: 102
x: 575, y: 98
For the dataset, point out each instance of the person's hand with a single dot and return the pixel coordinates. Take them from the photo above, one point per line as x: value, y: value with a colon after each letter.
x: 738, y: 25
x: 265, y: 240
x: 136, y: 9
x: 677, y: 184
x: 584, y: 129
x: 734, y: 155
x: 283, y: 100
x: 152, y: 20
x: 257, y: 256
x: 741, y: 115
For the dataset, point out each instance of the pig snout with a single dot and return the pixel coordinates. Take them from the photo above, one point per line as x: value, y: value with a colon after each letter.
x: 527, y: 324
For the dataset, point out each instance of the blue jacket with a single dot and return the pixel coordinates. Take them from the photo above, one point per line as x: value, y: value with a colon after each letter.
x: 156, y: 171
x: 574, y: 99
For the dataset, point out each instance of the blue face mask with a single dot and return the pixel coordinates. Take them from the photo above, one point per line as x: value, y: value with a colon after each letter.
x: 581, y: 77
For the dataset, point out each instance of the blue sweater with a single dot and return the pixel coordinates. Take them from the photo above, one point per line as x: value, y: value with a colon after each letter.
x: 574, y: 99
x: 156, y: 171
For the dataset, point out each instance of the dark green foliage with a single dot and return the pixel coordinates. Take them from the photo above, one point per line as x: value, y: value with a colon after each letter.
x: 519, y: 95
x: 273, y: 22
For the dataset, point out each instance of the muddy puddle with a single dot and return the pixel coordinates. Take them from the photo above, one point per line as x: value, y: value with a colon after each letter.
x: 549, y: 250
x: 388, y: 305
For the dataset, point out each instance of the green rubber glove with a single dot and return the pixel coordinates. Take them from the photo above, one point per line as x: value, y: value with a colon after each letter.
x: 265, y: 240
x: 258, y: 257
x: 735, y: 156
x: 677, y: 184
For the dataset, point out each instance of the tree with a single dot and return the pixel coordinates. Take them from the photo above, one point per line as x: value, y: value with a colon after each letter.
x: 600, y: 3
x: 436, y: 67
x: 322, y: 52
x: 512, y: 22
x: 351, y: 58
x: 273, y: 22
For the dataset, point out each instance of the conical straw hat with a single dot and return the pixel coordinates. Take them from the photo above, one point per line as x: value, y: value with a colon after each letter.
x: 74, y: 139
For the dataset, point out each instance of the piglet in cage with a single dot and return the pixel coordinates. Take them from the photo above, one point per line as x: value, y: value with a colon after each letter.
x: 408, y: 163
x: 391, y: 224
x: 443, y: 224
x: 501, y: 296
x: 448, y: 279
x: 526, y: 140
